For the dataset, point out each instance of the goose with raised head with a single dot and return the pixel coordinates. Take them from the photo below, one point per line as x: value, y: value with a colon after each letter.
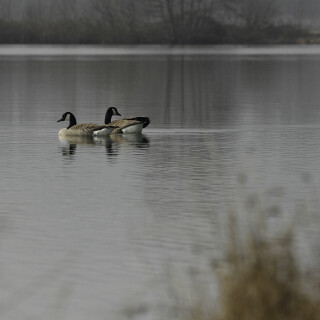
x: 83, y: 129
x: 125, y: 125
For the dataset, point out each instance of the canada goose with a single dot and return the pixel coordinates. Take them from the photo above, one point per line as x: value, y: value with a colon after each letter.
x: 125, y: 125
x: 83, y: 129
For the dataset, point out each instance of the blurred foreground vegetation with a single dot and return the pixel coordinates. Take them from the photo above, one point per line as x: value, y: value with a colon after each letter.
x: 149, y: 22
x: 262, y: 280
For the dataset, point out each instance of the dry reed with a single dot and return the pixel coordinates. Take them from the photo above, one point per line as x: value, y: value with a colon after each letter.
x: 262, y: 281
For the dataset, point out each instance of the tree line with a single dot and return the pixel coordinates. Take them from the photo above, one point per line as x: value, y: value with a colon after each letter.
x: 147, y: 22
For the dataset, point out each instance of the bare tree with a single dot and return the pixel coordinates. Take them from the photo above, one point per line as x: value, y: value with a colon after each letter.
x: 184, y: 18
x: 121, y: 17
x: 34, y: 12
x: 109, y: 14
x: 66, y: 9
x: 35, y: 19
x: 251, y: 13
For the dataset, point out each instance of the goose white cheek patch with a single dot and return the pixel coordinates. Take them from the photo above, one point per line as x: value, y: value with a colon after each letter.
x: 67, y: 118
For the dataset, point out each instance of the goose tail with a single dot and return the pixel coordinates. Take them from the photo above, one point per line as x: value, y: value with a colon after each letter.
x: 144, y: 120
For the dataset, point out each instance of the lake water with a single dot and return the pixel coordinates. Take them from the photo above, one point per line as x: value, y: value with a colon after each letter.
x: 112, y: 228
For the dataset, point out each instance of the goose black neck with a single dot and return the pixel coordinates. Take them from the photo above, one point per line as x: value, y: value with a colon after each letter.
x: 72, y: 120
x: 108, y: 116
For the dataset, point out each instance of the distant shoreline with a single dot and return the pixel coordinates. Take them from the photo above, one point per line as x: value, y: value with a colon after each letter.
x: 86, y: 32
x: 155, y: 50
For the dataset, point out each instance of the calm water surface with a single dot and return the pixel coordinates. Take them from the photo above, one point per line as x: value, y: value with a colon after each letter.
x: 107, y: 228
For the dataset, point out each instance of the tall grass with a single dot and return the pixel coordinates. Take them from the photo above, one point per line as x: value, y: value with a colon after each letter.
x: 262, y: 280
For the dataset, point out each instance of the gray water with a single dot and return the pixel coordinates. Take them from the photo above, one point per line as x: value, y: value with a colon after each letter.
x: 112, y: 228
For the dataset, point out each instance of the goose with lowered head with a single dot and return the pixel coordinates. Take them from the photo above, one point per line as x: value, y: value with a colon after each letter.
x: 125, y: 125
x: 83, y: 129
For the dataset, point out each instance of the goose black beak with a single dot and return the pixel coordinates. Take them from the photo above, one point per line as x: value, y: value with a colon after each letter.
x: 60, y: 120
x: 118, y: 114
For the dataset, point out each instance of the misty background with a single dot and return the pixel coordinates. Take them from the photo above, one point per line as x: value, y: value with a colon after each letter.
x: 158, y: 21
x: 295, y: 11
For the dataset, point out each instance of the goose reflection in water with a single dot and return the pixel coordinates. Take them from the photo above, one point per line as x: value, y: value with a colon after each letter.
x: 69, y: 143
x: 112, y: 143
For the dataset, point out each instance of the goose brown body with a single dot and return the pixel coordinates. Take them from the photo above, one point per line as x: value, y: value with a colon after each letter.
x: 83, y: 129
x: 125, y: 125
x: 122, y: 124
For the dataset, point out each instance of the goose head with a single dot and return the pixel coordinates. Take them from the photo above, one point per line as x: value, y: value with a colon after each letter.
x: 112, y: 111
x: 68, y: 116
